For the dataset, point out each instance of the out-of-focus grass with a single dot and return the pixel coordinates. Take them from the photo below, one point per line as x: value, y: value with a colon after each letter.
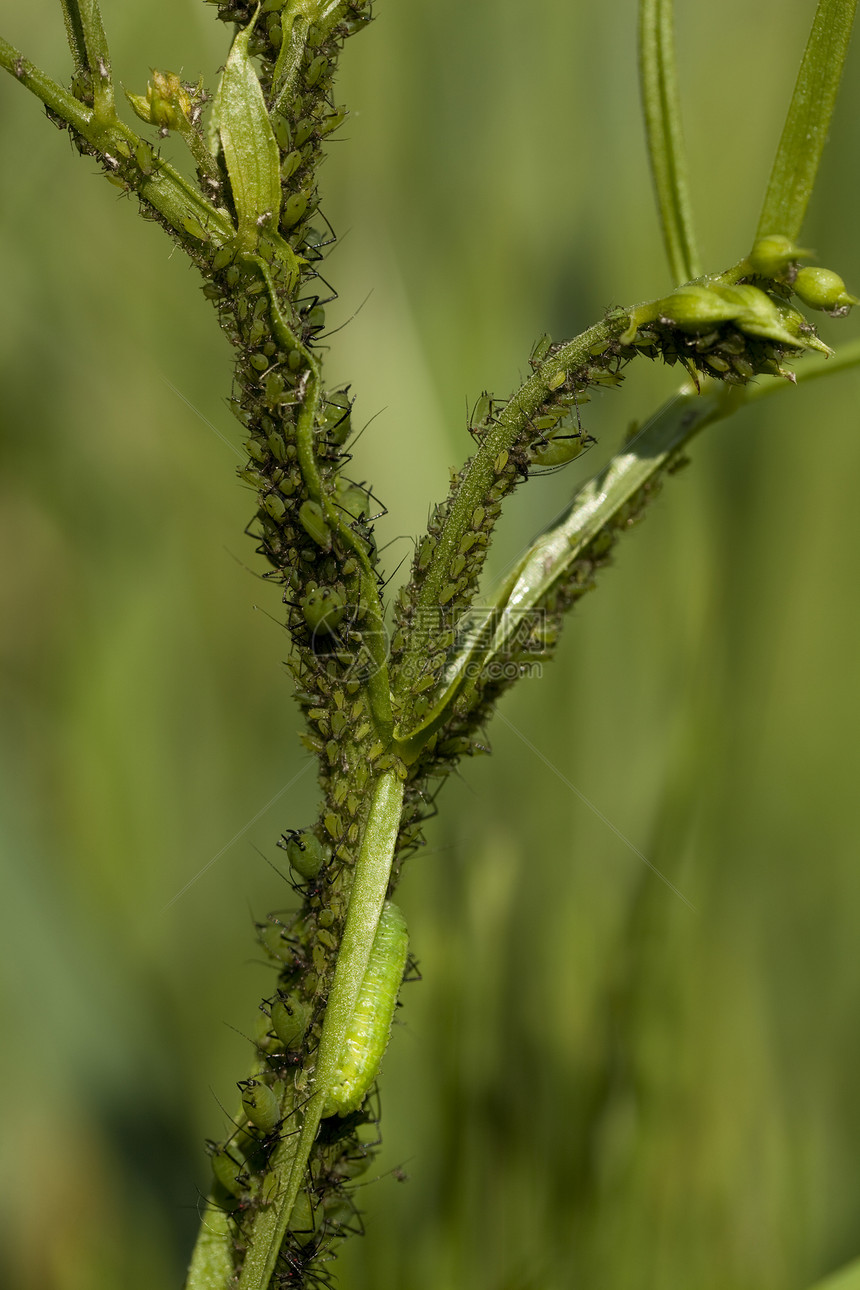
x: 593, y: 1084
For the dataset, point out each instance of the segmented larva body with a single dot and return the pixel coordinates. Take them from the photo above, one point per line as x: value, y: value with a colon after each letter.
x: 364, y: 1046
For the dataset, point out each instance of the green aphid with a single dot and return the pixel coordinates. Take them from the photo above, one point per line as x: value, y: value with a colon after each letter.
x: 558, y: 450
x: 306, y: 854
x: 540, y: 349
x: 368, y: 1034
x: 274, y: 939
x: 323, y: 609
x: 261, y: 1105
x: 303, y: 1219
x: 226, y: 1171
x: 313, y: 521
x: 290, y: 1018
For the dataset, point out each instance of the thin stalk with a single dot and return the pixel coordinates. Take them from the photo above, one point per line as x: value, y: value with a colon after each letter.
x: 662, y: 111
x: 170, y: 195
x: 807, y: 123
x: 369, y: 888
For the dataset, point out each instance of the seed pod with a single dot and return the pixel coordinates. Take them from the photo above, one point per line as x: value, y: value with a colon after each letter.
x: 313, y: 521
x: 306, y: 854
x: 369, y: 1030
x: 795, y: 323
x: 772, y: 255
x: 695, y: 308
x: 261, y: 1105
x: 250, y: 149
x: 758, y: 315
x: 823, y: 289
x: 290, y: 1017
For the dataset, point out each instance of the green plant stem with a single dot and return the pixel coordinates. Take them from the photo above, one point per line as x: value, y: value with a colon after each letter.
x: 807, y: 123
x: 553, y: 553
x: 212, y: 1263
x: 662, y: 111
x: 477, y: 479
x: 370, y: 885
x: 170, y: 195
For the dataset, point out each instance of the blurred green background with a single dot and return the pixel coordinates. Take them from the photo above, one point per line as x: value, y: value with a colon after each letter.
x: 593, y: 1085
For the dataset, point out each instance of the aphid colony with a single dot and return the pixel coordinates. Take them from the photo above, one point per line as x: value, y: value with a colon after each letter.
x: 731, y: 328
x: 324, y: 1208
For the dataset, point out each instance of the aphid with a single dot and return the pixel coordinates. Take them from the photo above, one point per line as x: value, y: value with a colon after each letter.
x: 290, y: 1017
x: 312, y: 520
x: 261, y: 1105
x: 366, y: 1041
x: 540, y: 349
x: 227, y: 1171
x: 323, y: 609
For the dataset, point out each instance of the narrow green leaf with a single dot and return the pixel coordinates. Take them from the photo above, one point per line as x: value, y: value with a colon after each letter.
x: 662, y: 111
x: 804, y: 134
x: 847, y: 1278
x: 75, y: 34
x: 250, y: 147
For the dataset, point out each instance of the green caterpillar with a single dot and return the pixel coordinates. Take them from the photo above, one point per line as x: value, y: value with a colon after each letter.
x: 365, y: 1044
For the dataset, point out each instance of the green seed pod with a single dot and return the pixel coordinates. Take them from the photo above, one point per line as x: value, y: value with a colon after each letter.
x: 369, y: 1030
x: 695, y: 308
x: 313, y: 521
x: 794, y: 322
x: 306, y: 854
x: 756, y: 314
x: 772, y: 255
x: 261, y: 1105
x: 240, y: 116
x: 290, y: 1018
x: 823, y: 289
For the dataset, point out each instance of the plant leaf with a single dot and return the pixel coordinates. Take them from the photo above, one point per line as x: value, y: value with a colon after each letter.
x: 847, y: 1278
x: 804, y: 134
x: 249, y: 144
x: 662, y: 110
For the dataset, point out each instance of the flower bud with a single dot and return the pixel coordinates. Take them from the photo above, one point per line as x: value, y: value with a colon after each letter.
x: 823, y: 289
x: 772, y: 255
x: 167, y: 105
x: 794, y: 322
x: 757, y: 315
x: 696, y: 308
